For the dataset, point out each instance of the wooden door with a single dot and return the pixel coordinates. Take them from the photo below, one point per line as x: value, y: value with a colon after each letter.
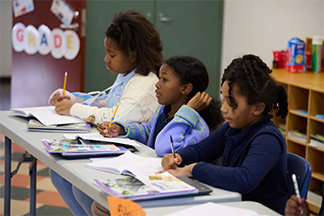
x: 36, y: 76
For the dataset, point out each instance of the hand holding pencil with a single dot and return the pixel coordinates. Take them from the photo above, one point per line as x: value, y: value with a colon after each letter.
x: 108, y: 129
x: 296, y: 205
x: 58, y: 96
x: 62, y: 106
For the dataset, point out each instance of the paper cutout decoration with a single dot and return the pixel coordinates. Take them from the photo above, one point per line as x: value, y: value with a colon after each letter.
x: 72, y: 44
x: 57, y: 42
x: 21, y: 7
x: 120, y: 206
x: 31, y: 40
x: 17, y: 35
x: 45, y: 40
x: 63, y: 11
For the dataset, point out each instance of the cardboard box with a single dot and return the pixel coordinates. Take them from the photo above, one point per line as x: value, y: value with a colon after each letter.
x: 296, y: 56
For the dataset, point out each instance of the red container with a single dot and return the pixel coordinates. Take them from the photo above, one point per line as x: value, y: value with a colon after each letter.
x: 280, y: 57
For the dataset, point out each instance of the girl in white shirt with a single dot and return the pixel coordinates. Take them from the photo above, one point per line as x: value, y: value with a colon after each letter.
x: 133, y: 51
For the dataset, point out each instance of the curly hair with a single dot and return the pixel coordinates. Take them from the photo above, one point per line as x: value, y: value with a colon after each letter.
x: 252, y: 77
x: 191, y: 70
x: 133, y: 32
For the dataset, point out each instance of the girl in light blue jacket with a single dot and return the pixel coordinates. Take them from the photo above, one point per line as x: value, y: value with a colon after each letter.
x: 185, y: 112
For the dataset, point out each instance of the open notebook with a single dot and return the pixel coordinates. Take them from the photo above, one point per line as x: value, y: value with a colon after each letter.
x: 73, y: 149
x: 46, y: 115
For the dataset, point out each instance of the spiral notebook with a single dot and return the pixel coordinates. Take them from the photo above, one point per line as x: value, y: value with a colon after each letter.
x: 73, y: 148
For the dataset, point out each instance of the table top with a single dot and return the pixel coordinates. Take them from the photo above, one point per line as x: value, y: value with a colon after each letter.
x: 74, y: 170
x: 254, y: 206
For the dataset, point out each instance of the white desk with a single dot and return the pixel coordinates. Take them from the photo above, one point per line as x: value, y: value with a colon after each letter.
x: 254, y: 206
x: 15, y: 130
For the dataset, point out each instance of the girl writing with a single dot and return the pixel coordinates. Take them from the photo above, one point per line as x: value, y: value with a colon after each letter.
x: 253, y: 150
x: 185, y: 112
x: 133, y: 52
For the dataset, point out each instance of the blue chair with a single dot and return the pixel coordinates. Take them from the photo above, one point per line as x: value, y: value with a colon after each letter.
x: 303, y: 171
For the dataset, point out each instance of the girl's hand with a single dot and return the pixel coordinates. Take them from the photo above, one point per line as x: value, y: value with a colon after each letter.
x: 63, y: 107
x: 58, y: 98
x: 200, y: 101
x: 112, y: 131
x: 185, y: 171
x: 169, y: 162
x: 295, y: 206
x: 103, y: 126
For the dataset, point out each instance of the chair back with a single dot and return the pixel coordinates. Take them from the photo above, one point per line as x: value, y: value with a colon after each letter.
x: 303, y: 171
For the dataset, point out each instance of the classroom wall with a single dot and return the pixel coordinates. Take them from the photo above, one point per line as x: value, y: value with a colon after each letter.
x: 261, y: 26
x: 250, y: 26
x: 5, y: 38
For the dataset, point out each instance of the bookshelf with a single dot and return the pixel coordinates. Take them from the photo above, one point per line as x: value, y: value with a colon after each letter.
x: 305, y: 101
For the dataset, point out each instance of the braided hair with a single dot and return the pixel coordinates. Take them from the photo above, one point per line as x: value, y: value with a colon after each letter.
x: 252, y: 77
x: 192, y: 70
x: 133, y: 32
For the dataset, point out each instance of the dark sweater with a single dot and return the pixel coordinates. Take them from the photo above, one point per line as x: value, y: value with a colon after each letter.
x: 254, y: 162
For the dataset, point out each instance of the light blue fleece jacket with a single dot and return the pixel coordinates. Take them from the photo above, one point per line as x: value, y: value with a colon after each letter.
x: 186, y: 128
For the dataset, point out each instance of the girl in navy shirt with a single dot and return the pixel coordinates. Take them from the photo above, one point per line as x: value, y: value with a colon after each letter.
x: 253, y: 150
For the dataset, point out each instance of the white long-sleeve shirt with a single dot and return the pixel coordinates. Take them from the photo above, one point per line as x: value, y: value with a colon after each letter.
x: 137, y: 103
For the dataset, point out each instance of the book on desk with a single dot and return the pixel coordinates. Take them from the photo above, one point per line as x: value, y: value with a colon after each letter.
x: 74, y: 149
x: 161, y: 185
x: 143, y: 179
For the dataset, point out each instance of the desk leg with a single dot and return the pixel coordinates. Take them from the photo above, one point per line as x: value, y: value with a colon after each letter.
x: 33, y: 174
x: 7, y: 182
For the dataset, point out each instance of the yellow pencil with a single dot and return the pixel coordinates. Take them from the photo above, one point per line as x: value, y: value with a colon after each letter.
x: 113, y: 117
x: 64, y: 83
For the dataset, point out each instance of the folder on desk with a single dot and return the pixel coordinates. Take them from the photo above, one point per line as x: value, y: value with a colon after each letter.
x: 73, y: 149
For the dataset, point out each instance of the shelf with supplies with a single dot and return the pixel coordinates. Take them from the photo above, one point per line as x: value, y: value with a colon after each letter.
x: 303, y: 127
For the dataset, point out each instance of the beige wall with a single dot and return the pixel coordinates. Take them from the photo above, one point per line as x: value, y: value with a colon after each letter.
x: 261, y: 26
x: 5, y: 38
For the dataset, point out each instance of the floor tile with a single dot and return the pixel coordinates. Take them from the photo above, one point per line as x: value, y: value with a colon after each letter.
x: 52, y: 210
x: 17, y: 193
x: 46, y: 185
x: 18, y: 207
x: 49, y: 198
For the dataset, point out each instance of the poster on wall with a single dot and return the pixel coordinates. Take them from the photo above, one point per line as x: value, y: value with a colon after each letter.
x: 63, y: 11
x: 21, y: 7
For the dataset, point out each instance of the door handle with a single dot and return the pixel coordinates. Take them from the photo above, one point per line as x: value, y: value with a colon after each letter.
x: 164, y: 19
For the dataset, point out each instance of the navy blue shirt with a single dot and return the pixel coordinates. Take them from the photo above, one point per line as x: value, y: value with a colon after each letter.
x: 254, y: 162
x: 162, y: 121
